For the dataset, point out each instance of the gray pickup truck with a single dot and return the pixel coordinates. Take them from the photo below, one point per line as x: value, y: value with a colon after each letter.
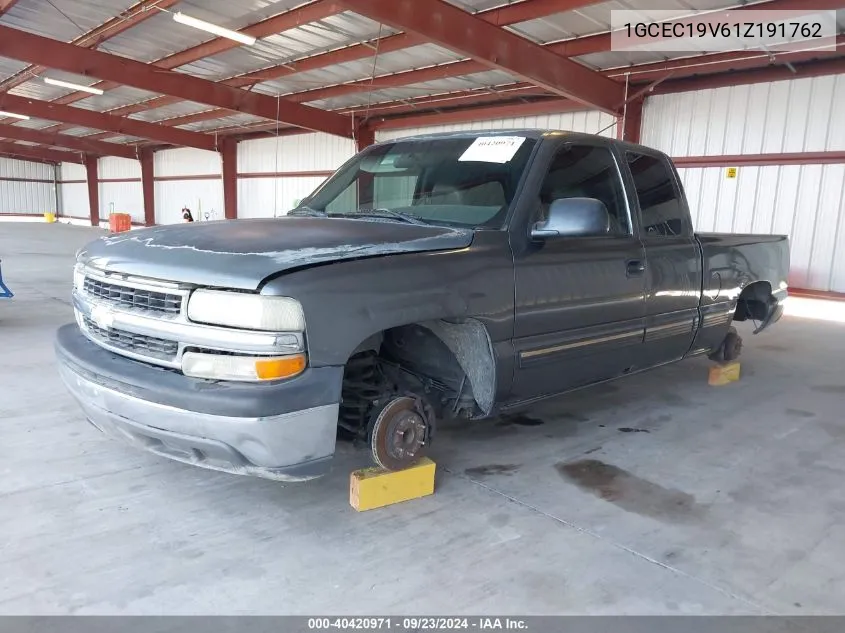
x: 461, y: 275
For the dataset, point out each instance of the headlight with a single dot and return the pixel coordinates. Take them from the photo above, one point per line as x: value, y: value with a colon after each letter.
x: 247, y: 311
x: 78, y: 276
x: 249, y: 368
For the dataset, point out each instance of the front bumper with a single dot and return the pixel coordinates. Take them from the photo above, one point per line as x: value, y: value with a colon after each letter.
x: 214, y: 428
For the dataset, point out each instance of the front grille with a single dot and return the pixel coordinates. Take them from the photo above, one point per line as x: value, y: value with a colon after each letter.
x: 136, y: 298
x: 137, y: 343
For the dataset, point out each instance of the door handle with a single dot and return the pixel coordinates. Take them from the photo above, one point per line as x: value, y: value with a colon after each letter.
x: 634, y: 267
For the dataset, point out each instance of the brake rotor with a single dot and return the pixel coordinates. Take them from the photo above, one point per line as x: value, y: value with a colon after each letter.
x: 399, y: 432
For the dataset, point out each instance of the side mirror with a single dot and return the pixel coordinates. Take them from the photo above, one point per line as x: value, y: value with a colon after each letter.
x: 573, y: 217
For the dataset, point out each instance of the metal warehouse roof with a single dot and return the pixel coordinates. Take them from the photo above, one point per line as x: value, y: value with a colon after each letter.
x: 324, y: 56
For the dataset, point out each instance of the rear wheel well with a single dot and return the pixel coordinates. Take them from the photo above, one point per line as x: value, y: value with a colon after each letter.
x: 753, y: 302
x: 448, y: 363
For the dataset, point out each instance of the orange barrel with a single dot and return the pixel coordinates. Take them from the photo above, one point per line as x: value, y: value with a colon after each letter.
x: 119, y: 222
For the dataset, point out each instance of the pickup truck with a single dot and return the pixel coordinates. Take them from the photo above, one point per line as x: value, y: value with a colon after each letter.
x: 452, y: 276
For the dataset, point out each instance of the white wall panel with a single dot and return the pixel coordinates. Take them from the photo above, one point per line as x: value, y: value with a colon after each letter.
x: 29, y: 189
x: 200, y: 196
x: 187, y: 162
x: 122, y: 197
x: 27, y: 197
x: 74, y: 195
x: 75, y: 200
x: 11, y: 168
x: 272, y: 197
x: 591, y: 122
x: 798, y: 115
x: 299, y: 152
x: 805, y: 202
x: 72, y: 171
x: 114, y: 167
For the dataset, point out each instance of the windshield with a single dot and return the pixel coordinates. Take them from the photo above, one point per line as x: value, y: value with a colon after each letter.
x: 465, y: 182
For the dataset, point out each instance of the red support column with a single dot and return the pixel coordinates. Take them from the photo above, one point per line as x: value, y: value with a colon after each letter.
x: 629, y: 129
x: 365, y: 137
x: 229, y: 153
x: 92, y: 174
x: 148, y: 186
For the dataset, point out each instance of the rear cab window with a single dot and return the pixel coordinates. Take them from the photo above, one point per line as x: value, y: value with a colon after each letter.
x: 662, y: 212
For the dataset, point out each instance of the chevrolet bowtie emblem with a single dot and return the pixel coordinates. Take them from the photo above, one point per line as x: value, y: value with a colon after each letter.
x: 102, y: 316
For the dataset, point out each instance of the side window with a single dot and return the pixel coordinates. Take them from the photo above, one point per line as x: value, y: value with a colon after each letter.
x: 660, y: 205
x: 584, y: 171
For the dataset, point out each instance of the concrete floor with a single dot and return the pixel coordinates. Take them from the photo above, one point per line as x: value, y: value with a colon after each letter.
x: 730, y: 500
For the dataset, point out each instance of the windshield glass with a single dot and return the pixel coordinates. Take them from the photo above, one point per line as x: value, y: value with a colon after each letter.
x: 466, y: 182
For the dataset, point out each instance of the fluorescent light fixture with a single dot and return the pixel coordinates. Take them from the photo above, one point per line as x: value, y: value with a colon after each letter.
x: 202, y: 25
x: 14, y: 116
x: 72, y: 86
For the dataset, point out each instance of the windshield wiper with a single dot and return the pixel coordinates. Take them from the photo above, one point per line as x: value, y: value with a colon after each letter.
x: 309, y: 212
x: 387, y: 214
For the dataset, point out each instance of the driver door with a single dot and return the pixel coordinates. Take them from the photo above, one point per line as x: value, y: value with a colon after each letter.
x: 580, y: 301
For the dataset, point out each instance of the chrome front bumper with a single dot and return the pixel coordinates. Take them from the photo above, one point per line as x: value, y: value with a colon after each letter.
x: 293, y: 446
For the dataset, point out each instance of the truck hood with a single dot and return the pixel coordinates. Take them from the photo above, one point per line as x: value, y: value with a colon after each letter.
x: 242, y: 254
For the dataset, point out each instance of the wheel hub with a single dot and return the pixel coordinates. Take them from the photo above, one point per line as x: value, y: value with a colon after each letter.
x: 399, y: 434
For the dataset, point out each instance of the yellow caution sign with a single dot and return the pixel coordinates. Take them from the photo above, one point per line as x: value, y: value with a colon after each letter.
x: 731, y: 172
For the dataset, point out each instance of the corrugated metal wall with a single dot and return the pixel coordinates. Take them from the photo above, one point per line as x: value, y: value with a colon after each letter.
x: 21, y: 191
x: 591, y: 122
x: 201, y: 196
x: 806, y: 202
x: 125, y: 196
x: 271, y: 196
x: 801, y: 115
x: 74, y: 194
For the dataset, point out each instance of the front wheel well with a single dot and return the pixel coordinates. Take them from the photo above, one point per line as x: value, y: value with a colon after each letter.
x: 754, y: 301
x: 449, y: 363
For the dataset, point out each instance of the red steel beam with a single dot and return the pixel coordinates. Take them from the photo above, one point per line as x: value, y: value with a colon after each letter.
x: 453, y: 28
x: 313, y: 12
x: 366, y: 137
x: 750, y: 160
x: 29, y: 159
x: 417, y: 105
x: 45, y: 51
x: 5, y: 5
x: 93, y: 179
x: 148, y: 186
x: 134, y: 15
x: 601, y: 42
x: 679, y: 68
x: 500, y: 16
x: 39, y: 153
x: 629, y: 125
x: 510, y: 14
x: 97, y: 120
x: 229, y: 154
x: 761, y: 75
x: 547, y: 106
x: 68, y: 142
x: 713, y: 63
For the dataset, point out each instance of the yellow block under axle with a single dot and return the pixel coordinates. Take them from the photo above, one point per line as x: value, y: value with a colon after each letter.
x: 724, y: 374
x: 371, y: 488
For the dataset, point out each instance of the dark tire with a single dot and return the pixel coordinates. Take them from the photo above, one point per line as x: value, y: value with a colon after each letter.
x: 730, y: 348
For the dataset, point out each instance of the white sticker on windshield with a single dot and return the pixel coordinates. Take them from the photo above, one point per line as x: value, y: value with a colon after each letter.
x: 492, y: 149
